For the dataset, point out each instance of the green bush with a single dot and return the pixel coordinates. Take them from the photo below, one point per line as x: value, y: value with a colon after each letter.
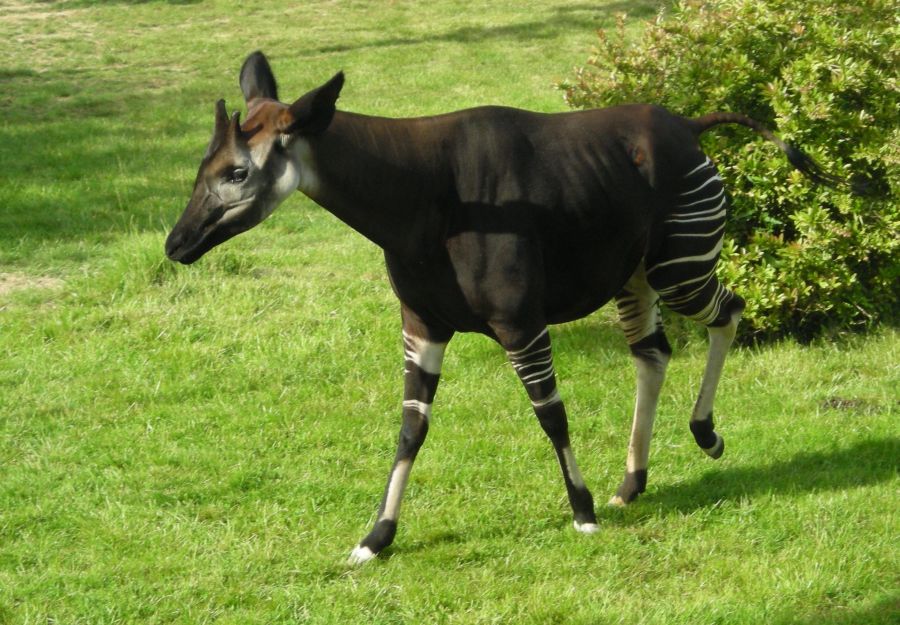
x: 806, y: 258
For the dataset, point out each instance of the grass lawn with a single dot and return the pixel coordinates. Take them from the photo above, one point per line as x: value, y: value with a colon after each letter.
x: 206, y: 444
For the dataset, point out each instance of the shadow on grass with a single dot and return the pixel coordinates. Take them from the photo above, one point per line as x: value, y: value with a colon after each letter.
x: 596, y: 337
x: 878, y: 612
x: 89, y: 158
x: 866, y: 463
x: 81, y: 4
x: 407, y: 545
x: 71, y: 185
x: 567, y: 18
x: 426, y: 543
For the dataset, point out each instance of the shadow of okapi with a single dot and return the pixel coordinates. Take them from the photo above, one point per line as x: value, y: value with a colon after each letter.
x: 865, y: 463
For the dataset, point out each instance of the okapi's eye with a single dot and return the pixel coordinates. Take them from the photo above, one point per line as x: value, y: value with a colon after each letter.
x: 236, y: 175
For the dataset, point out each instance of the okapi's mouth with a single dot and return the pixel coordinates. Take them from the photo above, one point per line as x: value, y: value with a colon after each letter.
x: 183, y: 256
x: 186, y: 249
x: 187, y: 245
x: 179, y: 250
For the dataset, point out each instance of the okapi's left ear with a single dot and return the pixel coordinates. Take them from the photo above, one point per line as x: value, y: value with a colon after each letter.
x: 257, y: 79
x: 312, y: 113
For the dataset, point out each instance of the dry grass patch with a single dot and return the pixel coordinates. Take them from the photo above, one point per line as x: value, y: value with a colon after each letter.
x: 10, y: 282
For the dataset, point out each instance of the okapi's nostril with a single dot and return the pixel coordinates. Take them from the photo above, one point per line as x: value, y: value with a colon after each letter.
x: 173, y: 242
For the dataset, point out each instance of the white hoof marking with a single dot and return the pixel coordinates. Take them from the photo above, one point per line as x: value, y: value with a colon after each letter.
x: 716, y: 450
x: 616, y: 501
x: 360, y: 555
x: 586, y: 528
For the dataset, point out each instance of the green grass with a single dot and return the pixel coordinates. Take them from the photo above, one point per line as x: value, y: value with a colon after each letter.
x: 206, y: 444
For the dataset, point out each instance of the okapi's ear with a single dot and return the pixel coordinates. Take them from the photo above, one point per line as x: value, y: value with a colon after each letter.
x: 312, y: 113
x: 257, y: 79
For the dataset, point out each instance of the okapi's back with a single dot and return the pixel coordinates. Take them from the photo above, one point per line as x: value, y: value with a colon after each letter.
x: 579, y: 163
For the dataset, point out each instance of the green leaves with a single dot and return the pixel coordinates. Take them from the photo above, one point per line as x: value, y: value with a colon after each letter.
x: 807, y: 258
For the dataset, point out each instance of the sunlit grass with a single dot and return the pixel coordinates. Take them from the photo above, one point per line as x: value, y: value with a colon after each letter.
x: 206, y: 444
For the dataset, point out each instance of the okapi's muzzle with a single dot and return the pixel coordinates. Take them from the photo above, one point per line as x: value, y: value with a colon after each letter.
x: 186, y: 244
x: 175, y: 247
x: 179, y: 243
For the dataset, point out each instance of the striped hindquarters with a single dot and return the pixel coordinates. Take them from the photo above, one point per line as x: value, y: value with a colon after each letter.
x: 684, y: 272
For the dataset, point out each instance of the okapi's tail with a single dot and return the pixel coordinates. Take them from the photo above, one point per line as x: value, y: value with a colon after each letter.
x: 799, y: 159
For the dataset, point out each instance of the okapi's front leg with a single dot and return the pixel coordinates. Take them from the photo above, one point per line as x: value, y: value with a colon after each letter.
x: 423, y: 358
x: 639, y: 317
x: 533, y: 362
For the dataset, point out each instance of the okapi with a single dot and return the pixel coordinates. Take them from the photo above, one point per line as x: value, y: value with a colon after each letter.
x: 499, y: 221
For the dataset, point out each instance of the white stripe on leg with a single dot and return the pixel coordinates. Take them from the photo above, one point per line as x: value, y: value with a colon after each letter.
x: 549, y: 400
x: 396, y: 486
x: 650, y: 377
x: 427, y: 355
x: 571, y: 467
x: 419, y: 406
x: 720, y: 340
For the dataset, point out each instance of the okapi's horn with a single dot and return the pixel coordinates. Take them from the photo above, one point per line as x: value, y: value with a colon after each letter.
x: 219, y: 132
x: 226, y: 129
x: 234, y: 126
x: 236, y: 133
x: 221, y: 119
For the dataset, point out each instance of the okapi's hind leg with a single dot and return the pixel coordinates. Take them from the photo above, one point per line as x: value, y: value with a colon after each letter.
x: 531, y: 356
x: 423, y: 355
x: 638, y: 307
x: 683, y: 272
x: 721, y: 336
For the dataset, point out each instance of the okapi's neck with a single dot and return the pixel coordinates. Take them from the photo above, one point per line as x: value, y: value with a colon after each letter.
x: 382, y: 177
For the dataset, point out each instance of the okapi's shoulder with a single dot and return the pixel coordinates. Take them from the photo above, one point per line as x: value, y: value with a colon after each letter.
x: 492, y: 154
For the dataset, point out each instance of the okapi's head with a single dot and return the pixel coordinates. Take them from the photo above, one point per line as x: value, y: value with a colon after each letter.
x: 249, y: 169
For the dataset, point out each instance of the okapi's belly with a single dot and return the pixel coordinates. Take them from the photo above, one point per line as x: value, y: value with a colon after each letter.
x: 581, y: 279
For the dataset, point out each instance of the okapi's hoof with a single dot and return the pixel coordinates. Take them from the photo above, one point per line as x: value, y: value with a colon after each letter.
x: 715, y: 452
x: 586, y: 528
x: 634, y: 483
x: 360, y: 555
x: 707, y: 438
x: 380, y: 537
